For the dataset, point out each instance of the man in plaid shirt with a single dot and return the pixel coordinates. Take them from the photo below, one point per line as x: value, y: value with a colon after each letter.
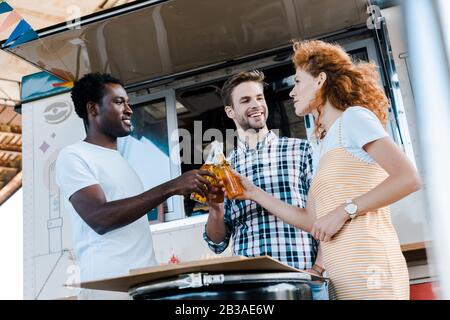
x: 280, y: 166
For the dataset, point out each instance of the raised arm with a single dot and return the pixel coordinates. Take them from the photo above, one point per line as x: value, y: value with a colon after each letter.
x: 403, y: 178
x: 103, y: 216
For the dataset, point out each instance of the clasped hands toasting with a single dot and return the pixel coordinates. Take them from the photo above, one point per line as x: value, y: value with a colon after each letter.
x: 322, y: 229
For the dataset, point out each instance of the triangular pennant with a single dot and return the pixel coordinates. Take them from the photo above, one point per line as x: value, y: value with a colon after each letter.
x: 25, y: 37
x: 13, y: 17
x: 20, y: 29
x: 4, y: 7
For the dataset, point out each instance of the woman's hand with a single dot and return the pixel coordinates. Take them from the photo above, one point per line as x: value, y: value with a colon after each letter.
x: 314, y: 272
x: 250, y: 190
x: 326, y: 227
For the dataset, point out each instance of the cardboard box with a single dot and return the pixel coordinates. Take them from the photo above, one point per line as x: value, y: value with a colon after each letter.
x: 236, y: 264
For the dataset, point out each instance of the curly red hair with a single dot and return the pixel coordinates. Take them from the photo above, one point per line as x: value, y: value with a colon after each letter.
x: 348, y: 83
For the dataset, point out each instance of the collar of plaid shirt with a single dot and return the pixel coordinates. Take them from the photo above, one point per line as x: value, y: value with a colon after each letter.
x: 268, y: 138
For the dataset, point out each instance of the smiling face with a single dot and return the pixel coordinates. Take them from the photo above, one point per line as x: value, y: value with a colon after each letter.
x: 305, y: 90
x: 249, y: 110
x: 114, y: 117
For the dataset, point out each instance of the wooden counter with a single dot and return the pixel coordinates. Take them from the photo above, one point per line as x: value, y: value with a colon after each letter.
x: 415, y: 251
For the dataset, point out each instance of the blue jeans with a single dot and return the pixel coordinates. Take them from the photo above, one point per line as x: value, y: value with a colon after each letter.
x: 319, y: 290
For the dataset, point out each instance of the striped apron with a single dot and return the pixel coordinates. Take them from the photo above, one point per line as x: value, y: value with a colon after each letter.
x: 364, y: 259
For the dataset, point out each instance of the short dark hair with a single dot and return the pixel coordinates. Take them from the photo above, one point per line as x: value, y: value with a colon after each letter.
x: 90, y: 88
x: 237, y: 79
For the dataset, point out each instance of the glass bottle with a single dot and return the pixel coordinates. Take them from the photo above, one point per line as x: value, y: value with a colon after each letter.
x: 212, y: 167
x: 233, y: 186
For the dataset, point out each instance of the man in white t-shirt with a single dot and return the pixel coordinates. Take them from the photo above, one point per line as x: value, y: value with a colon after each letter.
x: 103, y: 194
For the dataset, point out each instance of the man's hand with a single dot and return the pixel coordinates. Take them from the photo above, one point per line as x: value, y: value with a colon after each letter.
x: 326, y: 227
x: 193, y: 181
x: 216, y: 210
x: 216, y: 194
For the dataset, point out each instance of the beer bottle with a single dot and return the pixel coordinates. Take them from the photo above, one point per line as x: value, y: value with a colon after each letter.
x: 210, y: 166
x: 233, y: 186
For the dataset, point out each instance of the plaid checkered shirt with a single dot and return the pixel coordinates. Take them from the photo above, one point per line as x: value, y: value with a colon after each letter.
x: 283, y: 168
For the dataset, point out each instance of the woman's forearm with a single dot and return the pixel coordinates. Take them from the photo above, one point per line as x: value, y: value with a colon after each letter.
x: 403, y: 178
x: 298, y: 217
x: 391, y: 190
x: 215, y: 226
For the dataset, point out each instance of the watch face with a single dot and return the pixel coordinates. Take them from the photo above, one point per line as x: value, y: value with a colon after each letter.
x: 351, y: 208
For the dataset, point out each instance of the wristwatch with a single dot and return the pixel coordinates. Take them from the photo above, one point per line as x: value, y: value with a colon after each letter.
x: 351, y: 209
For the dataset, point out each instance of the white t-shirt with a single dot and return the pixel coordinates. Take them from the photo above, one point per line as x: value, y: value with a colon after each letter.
x: 116, y: 252
x: 359, y: 127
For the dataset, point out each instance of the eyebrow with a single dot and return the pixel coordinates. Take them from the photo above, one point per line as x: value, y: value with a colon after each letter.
x: 248, y: 97
x: 120, y: 97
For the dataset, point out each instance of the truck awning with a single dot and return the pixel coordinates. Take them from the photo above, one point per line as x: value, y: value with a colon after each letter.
x: 148, y: 40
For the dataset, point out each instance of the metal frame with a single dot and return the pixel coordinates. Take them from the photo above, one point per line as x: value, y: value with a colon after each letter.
x: 399, y: 121
x: 175, y: 203
x: 95, y: 17
x: 198, y: 280
x: 430, y: 66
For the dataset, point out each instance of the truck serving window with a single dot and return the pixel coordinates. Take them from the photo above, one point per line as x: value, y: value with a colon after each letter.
x: 202, y: 119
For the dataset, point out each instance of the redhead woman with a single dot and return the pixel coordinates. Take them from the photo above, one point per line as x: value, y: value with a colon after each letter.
x: 360, y: 172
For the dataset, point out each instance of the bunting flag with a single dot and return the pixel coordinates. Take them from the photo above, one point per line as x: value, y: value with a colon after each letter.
x: 21, y: 34
x: 4, y: 7
x: 12, y: 18
x: 25, y: 37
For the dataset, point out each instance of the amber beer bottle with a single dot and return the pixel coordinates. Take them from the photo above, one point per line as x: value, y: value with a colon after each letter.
x: 211, y: 166
x: 219, y: 197
x: 233, y: 186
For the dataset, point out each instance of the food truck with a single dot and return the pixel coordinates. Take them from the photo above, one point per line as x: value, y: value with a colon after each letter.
x: 173, y: 57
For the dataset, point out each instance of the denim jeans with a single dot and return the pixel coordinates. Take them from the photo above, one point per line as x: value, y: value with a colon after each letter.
x: 319, y: 290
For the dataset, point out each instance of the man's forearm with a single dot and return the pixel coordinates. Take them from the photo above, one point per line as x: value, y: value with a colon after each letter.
x: 116, y: 214
x: 215, y: 227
